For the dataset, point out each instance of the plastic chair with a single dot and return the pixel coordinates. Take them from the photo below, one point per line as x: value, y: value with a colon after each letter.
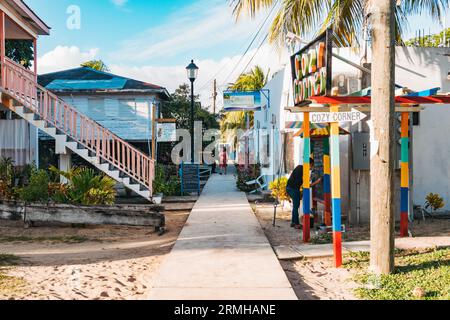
x: 259, y: 183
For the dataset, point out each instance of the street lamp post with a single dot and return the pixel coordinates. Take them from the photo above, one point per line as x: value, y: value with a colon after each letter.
x: 192, y: 72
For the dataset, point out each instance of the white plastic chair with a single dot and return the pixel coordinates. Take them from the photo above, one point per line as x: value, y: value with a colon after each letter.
x: 259, y: 182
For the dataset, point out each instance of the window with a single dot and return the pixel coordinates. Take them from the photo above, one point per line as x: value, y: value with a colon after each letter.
x: 416, y: 119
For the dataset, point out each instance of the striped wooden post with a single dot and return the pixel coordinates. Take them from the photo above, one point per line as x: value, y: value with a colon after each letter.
x: 336, y: 191
x: 327, y: 181
x: 404, y: 192
x: 306, y: 178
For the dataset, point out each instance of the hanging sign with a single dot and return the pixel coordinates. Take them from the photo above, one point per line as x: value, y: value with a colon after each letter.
x: 311, y: 69
x: 166, y: 132
x: 353, y: 116
x: 242, y: 101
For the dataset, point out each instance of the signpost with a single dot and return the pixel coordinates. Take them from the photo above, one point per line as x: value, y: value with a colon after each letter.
x: 242, y: 101
x: 163, y: 130
x: 166, y: 132
x: 353, y: 116
x: 311, y: 69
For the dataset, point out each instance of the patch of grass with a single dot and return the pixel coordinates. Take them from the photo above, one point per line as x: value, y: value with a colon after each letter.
x: 425, y: 273
x: 60, y: 239
x: 324, y: 238
x: 9, y: 285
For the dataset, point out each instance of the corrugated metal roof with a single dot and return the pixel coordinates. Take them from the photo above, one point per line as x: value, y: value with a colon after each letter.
x: 85, y: 79
x: 111, y: 84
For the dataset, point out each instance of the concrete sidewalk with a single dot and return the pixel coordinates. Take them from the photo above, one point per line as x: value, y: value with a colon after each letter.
x: 222, y: 253
x: 310, y: 251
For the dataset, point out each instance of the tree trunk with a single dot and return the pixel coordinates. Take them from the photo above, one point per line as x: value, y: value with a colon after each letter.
x: 383, y: 113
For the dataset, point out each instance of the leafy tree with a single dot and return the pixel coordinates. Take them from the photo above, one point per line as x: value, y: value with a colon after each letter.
x: 179, y: 108
x: 96, y: 65
x: 434, y: 40
x: 20, y: 51
x: 348, y: 18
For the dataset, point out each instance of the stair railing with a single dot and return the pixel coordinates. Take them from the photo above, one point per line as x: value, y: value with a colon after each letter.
x: 20, y: 84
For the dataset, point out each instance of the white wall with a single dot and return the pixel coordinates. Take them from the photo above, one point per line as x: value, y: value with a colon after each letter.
x: 127, y: 116
x: 280, y: 97
x: 419, y: 69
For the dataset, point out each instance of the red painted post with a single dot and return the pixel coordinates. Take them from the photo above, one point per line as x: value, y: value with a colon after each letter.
x: 404, y: 187
x: 306, y: 178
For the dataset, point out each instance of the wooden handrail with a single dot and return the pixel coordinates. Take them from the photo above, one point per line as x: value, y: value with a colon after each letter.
x: 21, y: 84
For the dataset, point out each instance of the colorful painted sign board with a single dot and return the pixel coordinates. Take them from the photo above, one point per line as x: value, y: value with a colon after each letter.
x: 242, y: 101
x: 311, y: 69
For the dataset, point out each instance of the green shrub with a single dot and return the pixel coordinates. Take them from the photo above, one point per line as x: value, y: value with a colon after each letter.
x: 84, y: 187
x: 13, y: 178
x: 166, y: 181
x: 37, y: 189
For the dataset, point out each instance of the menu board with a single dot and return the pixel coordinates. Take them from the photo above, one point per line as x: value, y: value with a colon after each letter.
x: 190, y: 178
x: 317, y: 150
x: 311, y: 69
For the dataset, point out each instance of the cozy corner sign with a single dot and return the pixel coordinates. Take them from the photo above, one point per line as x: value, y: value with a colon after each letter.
x: 311, y: 69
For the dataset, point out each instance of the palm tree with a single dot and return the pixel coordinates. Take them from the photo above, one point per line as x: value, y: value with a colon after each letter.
x: 251, y: 81
x: 347, y: 18
x: 96, y: 65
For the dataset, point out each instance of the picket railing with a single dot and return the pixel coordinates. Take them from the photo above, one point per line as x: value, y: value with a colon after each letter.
x: 21, y: 85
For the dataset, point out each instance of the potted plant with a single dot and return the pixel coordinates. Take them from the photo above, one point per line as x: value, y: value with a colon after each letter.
x: 434, y: 202
x: 278, y: 188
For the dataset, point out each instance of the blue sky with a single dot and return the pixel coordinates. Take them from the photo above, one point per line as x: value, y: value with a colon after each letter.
x: 113, y: 25
x: 154, y: 40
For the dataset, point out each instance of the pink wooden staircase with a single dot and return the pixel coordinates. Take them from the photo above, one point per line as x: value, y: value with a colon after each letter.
x: 72, y: 130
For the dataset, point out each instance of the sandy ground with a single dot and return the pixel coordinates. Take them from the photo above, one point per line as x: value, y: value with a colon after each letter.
x: 109, y: 263
x: 317, y: 279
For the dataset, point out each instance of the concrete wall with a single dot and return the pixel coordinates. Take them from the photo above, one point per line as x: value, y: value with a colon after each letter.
x: 149, y: 215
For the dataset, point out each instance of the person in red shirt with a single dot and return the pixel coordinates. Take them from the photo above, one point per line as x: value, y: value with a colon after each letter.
x: 223, y: 161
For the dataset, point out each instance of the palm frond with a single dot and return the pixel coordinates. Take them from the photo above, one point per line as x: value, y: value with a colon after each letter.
x: 251, y: 7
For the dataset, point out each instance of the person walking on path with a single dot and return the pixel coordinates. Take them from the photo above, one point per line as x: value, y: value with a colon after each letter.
x: 223, y: 160
x: 294, y: 184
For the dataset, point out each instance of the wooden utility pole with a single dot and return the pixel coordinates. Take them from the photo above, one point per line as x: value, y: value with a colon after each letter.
x: 383, y: 115
x: 215, y: 96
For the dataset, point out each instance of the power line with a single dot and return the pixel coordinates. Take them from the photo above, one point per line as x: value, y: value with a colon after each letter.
x: 254, y: 55
x: 246, y: 51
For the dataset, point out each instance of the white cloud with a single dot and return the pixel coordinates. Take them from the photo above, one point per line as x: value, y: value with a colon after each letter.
x: 225, y: 70
x: 63, y: 57
x: 204, y: 24
x: 171, y: 77
x: 119, y: 3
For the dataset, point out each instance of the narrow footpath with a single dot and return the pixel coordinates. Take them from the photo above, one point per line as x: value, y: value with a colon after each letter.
x: 222, y: 253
